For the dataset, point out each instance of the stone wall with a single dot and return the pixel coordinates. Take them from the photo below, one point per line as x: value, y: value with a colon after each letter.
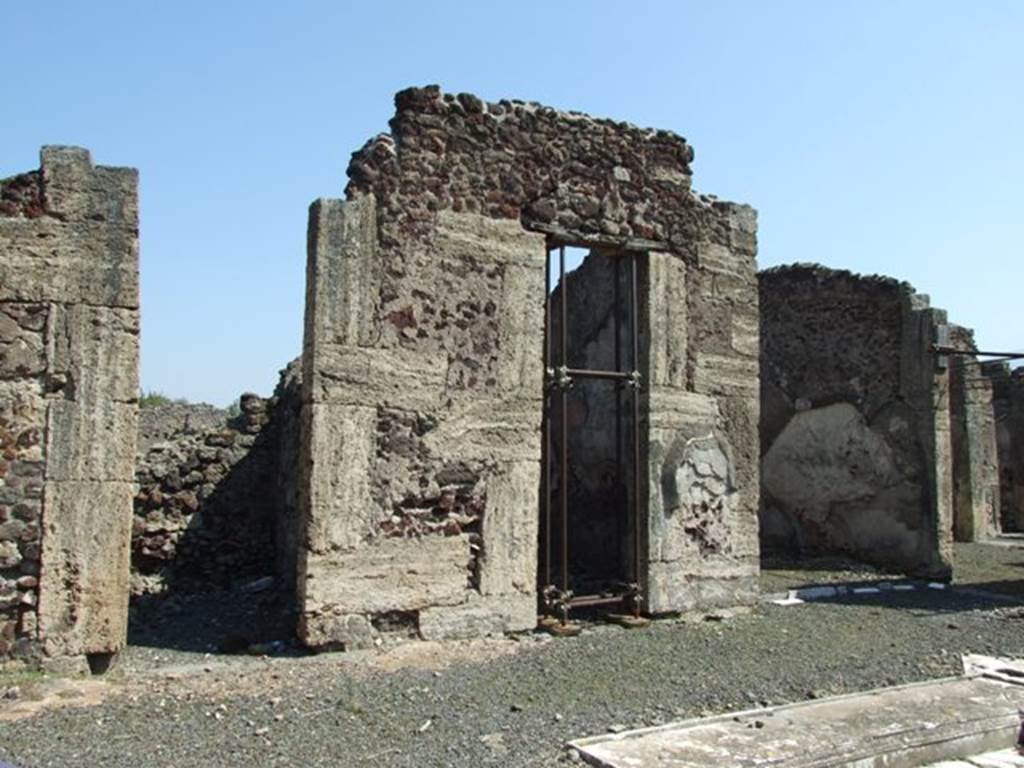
x: 158, y: 423
x: 215, y: 506
x: 974, y: 444
x: 69, y: 325
x: 854, y: 421
x: 422, y: 367
x: 1008, y: 405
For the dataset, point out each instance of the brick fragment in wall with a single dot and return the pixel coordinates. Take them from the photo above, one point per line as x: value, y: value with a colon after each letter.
x: 22, y: 195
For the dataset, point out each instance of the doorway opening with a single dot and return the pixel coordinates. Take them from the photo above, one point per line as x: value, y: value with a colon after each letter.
x: 590, y: 534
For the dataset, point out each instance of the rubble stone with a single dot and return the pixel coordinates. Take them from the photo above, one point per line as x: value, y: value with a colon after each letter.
x: 213, y: 501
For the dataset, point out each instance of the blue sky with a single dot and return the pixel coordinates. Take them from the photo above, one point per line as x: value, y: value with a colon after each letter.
x: 882, y: 137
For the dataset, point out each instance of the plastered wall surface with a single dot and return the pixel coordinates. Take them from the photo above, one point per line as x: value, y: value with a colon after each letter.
x: 69, y: 324
x: 855, y: 424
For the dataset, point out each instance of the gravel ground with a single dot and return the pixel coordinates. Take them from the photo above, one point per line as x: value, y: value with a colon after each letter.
x: 990, y: 567
x: 780, y: 573
x: 508, y: 702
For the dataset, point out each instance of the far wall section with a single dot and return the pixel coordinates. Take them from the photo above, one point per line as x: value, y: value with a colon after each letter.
x: 855, y: 425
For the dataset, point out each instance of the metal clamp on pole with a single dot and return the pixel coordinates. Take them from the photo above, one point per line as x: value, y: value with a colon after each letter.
x: 557, y: 602
x: 634, y: 380
x: 562, y: 378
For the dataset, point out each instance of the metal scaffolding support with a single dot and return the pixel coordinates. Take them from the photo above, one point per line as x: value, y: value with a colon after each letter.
x: 558, y: 598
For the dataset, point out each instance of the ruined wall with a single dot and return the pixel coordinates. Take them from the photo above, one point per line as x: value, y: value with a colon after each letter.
x: 158, y: 423
x: 422, y: 361
x: 854, y: 420
x: 1008, y: 406
x: 216, y: 506
x: 974, y: 449
x: 69, y: 326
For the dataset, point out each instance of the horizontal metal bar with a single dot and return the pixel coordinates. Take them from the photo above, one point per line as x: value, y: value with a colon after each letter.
x: 942, y: 350
x: 584, y: 601
x: 966, y: 363
x: 585, y: 373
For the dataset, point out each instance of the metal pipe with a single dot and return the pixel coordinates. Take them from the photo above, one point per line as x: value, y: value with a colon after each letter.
x: 1004, y: 359
x: 585, y: 601
x: 587, y: 373
x: 548, y: 364
x: 944, y: 350
x: 622, y: 511
x: 634, y: 320
x: 564, y: 392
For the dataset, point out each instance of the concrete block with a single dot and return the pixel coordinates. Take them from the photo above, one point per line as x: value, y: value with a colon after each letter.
x: 479, y: 618
x: 509, y: 562
x: 390, y: 575
x: 341, y: 513
x: 666, y: 347
x: 343, y: 272
x: 83, y: 589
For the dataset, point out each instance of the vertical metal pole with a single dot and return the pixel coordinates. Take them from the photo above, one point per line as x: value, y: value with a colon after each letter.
x: 564, y: 391
x: 548, y: 402
x: 617, y: 313
x: 634, y: 321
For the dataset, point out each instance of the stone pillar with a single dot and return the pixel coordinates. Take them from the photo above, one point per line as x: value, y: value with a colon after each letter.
x: 390, y: 429
x: 69, y: 324
x: 699, y: 420
x: 975, y: 453
x: 1008, y: 398
x: 924, y: 385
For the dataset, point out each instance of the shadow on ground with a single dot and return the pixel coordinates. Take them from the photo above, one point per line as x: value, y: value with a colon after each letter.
x: 228, y: 621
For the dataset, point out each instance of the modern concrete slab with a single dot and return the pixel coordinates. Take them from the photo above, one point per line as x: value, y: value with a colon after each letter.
x: 1003, y: 758
x: 900, y: 727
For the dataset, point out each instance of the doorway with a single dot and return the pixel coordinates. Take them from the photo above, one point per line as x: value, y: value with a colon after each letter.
x: 590, y: 534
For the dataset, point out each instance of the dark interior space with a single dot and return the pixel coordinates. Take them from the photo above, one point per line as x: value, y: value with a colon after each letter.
x: 589, y: 417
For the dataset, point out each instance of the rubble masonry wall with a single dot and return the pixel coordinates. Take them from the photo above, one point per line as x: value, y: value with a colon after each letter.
x: 159, y: 423
x: 216, y: 495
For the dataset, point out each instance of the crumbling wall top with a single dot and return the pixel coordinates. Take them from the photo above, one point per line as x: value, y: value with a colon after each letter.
x: 818, y: 273
x: 564, y: 173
